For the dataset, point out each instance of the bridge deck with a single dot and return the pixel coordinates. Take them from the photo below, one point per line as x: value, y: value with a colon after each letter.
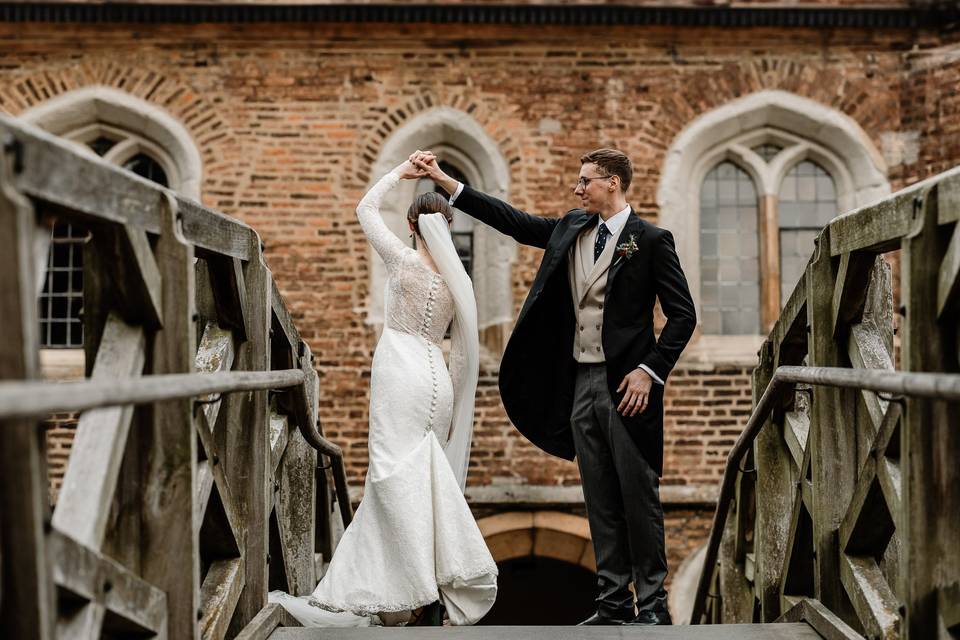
x: 783, y: 631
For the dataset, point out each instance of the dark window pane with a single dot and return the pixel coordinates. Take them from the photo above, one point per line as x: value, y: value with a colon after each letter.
x: 62, y: 296
x: 146, y: 167
x: 767, y: 151
x: 101, y: 145
x: 729, y: 249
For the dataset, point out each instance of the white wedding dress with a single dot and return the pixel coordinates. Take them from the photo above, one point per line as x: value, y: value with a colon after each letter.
x: 413, y: 539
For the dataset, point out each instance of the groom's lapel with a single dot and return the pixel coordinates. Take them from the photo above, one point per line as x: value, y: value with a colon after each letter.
x: 569, y: 237
x: 634, y: 226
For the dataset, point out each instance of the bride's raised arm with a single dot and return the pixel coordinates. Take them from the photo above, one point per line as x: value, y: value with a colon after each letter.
x: 384, y: 241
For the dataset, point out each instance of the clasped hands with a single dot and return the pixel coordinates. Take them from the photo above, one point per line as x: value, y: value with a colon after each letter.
x: 420, y: 164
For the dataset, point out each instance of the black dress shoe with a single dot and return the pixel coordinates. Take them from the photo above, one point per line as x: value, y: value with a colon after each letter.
x: 597, y: 620
x: 652, y: 617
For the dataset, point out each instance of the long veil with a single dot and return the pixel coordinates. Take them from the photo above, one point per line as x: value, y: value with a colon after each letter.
x: 465, y: 340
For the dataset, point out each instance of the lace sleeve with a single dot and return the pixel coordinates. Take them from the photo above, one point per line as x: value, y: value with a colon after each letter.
x: 384, y: 241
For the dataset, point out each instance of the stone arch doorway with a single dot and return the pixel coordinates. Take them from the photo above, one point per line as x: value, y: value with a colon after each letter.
x: 547, y: 568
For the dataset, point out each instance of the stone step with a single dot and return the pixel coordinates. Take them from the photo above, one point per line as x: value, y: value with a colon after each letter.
x: 781, y: 631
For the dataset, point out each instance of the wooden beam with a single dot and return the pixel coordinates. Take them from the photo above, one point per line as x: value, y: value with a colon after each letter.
x: 229, y: 294
x: 266, y: 622
x: 27, y: 606
x: 215, y: 465
x: 138, y: 288
x: 850, y: 291
x: 871, y: 596
x: 867, y: 350
x: 85, y: 574
x: 832, y: 441
x: 796, y: 428
x: 169, y: 548
x: 215, y: 354
x: 219, y: 595
x: 826, y: 622
x: 789, y: 334
x: 295, y: 514
x: 83, y: 509
x: 948, y: 198
x: 247, y: 442
x: 948, y: 279
x: 930, y: 439
x: 279, y: 433
x: 877, y: 228
x: 283, y: 318
x: 88, y: 188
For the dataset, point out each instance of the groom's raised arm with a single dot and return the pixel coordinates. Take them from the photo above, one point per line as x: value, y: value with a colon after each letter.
x: 505, y: 218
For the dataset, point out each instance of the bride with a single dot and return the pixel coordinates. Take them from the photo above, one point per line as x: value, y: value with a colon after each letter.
x: 413, y: 541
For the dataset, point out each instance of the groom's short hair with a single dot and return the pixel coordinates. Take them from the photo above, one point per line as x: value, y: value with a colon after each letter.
x: 612, y: 163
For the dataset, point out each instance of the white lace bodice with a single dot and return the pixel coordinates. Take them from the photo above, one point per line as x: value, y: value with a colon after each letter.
x: 417, y: 299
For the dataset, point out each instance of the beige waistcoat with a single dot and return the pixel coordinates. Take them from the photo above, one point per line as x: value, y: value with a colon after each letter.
x: 588, y: 283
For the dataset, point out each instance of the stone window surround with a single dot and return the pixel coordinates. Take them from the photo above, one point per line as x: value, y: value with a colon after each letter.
x: 813, y: 130
x: 459, y: 139
x: 81, y: 116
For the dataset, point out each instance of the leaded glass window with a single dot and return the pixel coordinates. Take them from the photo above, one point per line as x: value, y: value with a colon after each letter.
x: 729, y: 248
x: 808, y: 201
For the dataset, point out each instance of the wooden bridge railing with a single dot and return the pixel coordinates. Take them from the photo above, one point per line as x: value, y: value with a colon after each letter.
x: 193, y: 485
x: 841, y: 500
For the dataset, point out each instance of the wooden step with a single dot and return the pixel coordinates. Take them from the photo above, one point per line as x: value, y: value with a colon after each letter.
x: 782, y: 631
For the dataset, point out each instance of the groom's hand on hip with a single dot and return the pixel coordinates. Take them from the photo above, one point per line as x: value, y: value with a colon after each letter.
x: 636, y: 393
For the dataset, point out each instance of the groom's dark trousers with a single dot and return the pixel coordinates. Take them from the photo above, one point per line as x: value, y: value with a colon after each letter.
x: 559, y: 403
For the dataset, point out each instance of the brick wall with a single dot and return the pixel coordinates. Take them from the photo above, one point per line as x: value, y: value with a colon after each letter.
x: 60, y: 429
x: 290, y: 118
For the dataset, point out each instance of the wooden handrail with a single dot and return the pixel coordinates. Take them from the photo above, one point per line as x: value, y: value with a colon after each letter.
x: 36, y: 399
x: 938, y: 386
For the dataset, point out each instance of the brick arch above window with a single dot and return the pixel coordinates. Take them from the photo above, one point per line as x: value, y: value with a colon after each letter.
x: 83, y: 114
x: 788, y: 129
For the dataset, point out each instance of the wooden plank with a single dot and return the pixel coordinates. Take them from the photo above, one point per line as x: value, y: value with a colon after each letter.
x: 83, y: 509
x: 247, y: 442
x: 879, y: 227
x: 872, y: 598
x: 948, y: 198
x: 827, y: 623
x: 930, y: 440
x: 783, y: 631
x: 215, y: 354
x: 850, y: 291
x: 282, y: 316
x: 296, y: 516
x: 867, y: 350
x: 789, y: 334
x: 948, y: 279
x: 796, y: 428
x: 83, y: 187
x: 138, y: 283
x: 279, y: 431
x: 219, y: 595
x: 82, y: 573
x: 229, y: 294
x: 170, y: 548
x: 774, y: 488
x: 27, y: 606
x: 26, y: 399
x: 204, y: 487
x: 948, y: 606
x: 832, y: 441
x: 266, y: 622
x: 215, y: 465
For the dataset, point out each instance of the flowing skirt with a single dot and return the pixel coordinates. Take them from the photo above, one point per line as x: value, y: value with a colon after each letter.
x: 413, y: 539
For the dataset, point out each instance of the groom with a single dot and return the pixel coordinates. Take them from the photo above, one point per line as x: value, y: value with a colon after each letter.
x: 582, y: 374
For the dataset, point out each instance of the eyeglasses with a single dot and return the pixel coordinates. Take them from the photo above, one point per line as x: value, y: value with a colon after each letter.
x: 583, y: 182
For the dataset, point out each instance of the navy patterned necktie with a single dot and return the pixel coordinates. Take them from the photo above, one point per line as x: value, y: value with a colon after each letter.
x: 602, y: 233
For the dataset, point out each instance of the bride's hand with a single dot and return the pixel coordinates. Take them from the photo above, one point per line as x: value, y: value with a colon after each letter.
x: 409, y: 171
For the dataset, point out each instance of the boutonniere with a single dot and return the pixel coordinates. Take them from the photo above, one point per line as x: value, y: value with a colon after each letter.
x: 628, y: 248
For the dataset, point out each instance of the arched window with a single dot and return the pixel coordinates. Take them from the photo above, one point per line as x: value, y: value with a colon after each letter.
x: 806, y: 161
x: 468, y: 153
x: 127, y: 132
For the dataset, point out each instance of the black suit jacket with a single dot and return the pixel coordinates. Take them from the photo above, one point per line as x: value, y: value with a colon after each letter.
x: 538, y: 370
